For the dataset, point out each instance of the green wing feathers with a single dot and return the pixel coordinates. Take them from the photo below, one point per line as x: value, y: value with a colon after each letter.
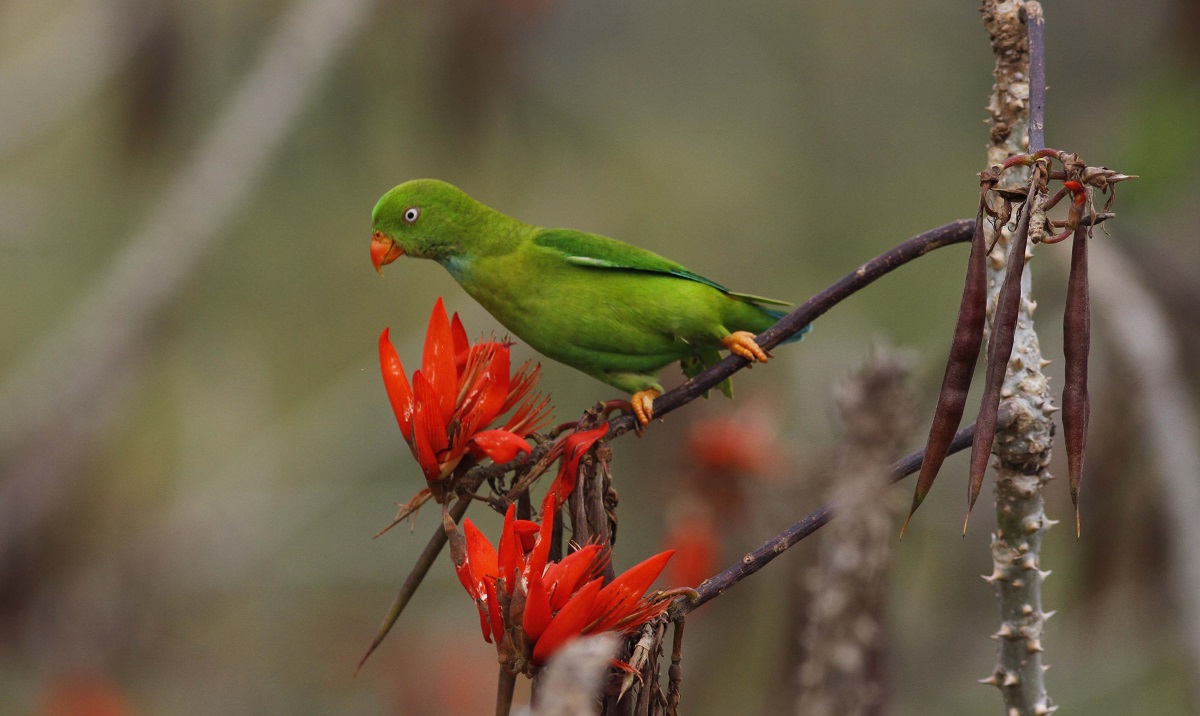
x: 584, y: 249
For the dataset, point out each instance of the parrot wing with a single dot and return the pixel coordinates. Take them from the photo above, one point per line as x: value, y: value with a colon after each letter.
x: 584, y: 249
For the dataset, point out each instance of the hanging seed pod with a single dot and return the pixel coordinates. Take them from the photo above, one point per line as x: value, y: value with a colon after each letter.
x: 960, y: 366
x: 1076, y: 343
x: 1000, y: 346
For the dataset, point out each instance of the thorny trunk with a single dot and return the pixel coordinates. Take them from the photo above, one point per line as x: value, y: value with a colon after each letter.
x: 1024, y: 426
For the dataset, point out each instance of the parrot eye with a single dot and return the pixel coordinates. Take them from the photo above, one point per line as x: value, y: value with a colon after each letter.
x: 411, y: 214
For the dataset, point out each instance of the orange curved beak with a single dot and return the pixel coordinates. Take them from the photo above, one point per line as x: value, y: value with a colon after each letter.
x: 383, y: 251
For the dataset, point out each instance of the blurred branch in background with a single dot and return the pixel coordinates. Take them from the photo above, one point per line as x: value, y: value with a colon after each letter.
x: 845, y: 635
x: 67, y: 65
x: 1143, y: 338
x: 55, y: 400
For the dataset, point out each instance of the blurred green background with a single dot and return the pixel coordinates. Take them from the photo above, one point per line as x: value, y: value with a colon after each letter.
x: 195, y: 447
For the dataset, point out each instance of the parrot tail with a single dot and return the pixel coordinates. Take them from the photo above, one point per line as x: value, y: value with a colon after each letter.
x: 777, y: 314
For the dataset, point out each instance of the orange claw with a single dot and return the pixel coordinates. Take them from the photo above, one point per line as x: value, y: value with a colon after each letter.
x: 743, y: 344
x: 643, y: 405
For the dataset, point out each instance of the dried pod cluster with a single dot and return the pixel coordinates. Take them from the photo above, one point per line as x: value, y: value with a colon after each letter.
x: 1032, y: 204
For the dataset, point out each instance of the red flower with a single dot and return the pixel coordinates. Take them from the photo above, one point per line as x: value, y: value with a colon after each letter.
x: 529, y: 606
x: 458, y: 393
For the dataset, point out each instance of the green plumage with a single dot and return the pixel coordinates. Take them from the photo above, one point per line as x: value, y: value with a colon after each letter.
x: 614, y: 311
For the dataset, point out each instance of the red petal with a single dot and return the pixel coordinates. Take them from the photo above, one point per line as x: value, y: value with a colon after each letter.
x: 493, y: 607
x: 429, y: 432
x: 537, y: 609
x: 428, y: 412
x: 399, y: 392
x: 621, y: 596
x: 461, y: 344
x: 579, y: 567
x: 437, y: 363
x: 527, y: 531
x: 470, y: 581
x: 422, y: 448
x: 510, y: 554
x: 567, y: 624
x: 485, y: 384
x: 574, y: 449
x: 483, y: 622
x: 500, y: 445
x: 541, y: 548
x: 495, y: 386
x: 481, y: 555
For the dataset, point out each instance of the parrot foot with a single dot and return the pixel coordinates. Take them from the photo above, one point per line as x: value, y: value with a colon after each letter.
x: 742, y: 343
x: 643, y: 407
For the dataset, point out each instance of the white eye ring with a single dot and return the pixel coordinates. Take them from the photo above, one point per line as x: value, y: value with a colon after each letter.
x: 411, y: 214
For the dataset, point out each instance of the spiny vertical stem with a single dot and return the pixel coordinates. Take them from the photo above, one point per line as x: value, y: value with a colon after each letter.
x: 1024, y: 425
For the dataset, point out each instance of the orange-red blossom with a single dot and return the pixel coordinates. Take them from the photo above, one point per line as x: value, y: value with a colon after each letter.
x: 456, y: 395
x: 529, y: 606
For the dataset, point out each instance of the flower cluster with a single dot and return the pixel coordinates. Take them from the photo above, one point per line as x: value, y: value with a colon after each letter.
x: 530, y: 606
x: 458, y: 393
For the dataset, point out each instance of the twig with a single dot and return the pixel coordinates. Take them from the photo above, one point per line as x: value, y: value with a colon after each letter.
x: 815, y: 307
x: 675, y: 672
x: 506, y: 686
x: 780, y: 543
x: 1035, y: 26
x: 420, y: 568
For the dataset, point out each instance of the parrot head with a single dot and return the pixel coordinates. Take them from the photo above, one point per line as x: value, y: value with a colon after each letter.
x: 425, y: 218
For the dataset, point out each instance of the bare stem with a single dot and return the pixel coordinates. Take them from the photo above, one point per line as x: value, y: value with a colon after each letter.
x: 717, y: 585
x: 506, y: 686
x: 815, y: 307
x: 417, y: 575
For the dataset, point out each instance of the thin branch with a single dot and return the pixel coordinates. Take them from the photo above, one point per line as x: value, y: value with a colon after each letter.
x: 780, y: 543
x: 506, y: 686
x: 437, y: 541
x: 815, y: 307
x: 1035, y: 26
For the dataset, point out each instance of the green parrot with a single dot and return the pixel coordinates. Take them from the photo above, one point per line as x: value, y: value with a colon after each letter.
x: 614, y: 311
